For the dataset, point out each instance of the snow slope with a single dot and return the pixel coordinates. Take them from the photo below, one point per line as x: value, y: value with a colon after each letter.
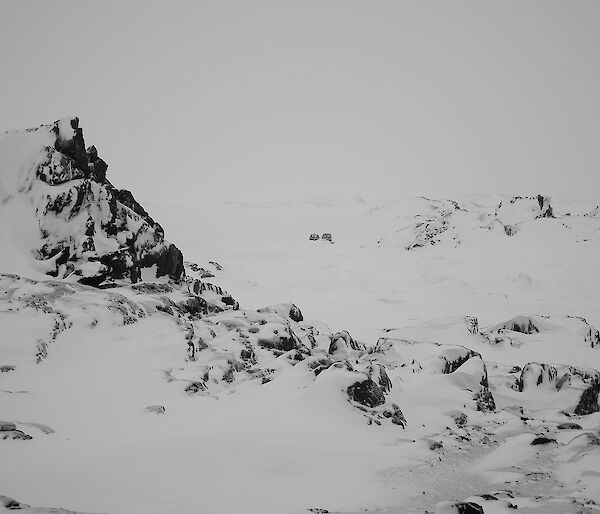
x: 440, y: 364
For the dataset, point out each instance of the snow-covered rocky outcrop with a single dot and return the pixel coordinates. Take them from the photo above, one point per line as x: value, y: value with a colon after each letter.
x: 423, y: 222
x: 54, y: 192
x: 133, y: 376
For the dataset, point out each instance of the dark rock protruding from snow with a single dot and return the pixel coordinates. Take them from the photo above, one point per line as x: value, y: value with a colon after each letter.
x: 536, y: 374
x: 521, y: 324
x: 569, y: 426
x: 545, y: 207
x: 288, y: 310
x: 588, y: 403
x: 456, y: 358
x: 342, y: 342
x: 367, y: 393
x: 397, y: 416
x: 71, y: 144
x: 586, y: 380
x: 97, y: 167
x: 484, y: 400
x: 170, y: 262
x: 127, y: 199
x: 472, y: 324
x: 542, y: 440
x: 89, y: 230
x: 458, y: 508
x: 6, y: 426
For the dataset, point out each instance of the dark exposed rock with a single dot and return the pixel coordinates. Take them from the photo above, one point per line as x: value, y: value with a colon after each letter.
x: 170, y: 262
x: 195, y: 306
x: 247, y: 354
x: 472, y: 324
x: 195, y: 387
x: 460, y: 418
x: 6, y: 368
x: 484, y: 400
x: 588, y: 403
x: 343, y: 341
x: 542, y: 440
x: 6, y: 426
x: 296, y: 314
x: 460, y: 508
x: 126, y: 198
x: 538, y: 372
x: 379, y: 374
x: 228, y: 300
x: 96, y: 166
x: 94, y: 281
x: 288, y: 310
x: 451, y: 365
x: 58, y: 168
x: 11, y: 503
x: 545, y: 207
x: 367, y: 393
x: 469, y: 508
x: 569, y: 426
x: 73, y: 147
x: 117, y: 263
x: 15, y: 435
x: 283, y: 342
x: 397, y: 416
x: 109, y: 214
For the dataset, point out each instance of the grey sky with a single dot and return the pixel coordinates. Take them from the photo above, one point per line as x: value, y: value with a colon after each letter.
x: 268, y: 100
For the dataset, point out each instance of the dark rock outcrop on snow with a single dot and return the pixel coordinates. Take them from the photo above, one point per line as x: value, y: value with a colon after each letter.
x: 588, y: 402
x: 73, y: 147
x: 569, y: 426
x: 367, y: 393
x: 559, y: 377
x: 88, y: 220
x: 542, y: 440
x: 288, y: 310
x: 344, y: 342
x: 459, y: 508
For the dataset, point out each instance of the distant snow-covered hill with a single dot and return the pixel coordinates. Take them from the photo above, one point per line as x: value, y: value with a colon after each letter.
x: 461, y: 375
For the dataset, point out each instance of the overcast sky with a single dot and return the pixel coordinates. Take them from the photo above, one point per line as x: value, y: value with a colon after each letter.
x: 267, y: 100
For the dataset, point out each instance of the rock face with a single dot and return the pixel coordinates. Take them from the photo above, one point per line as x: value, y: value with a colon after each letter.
x: 588, y: 403
x: 88, y: 230
x: 367, y: 393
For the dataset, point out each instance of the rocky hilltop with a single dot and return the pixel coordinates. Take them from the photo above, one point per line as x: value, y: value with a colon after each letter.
x: 116, y: 349
x: 89, y: 230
